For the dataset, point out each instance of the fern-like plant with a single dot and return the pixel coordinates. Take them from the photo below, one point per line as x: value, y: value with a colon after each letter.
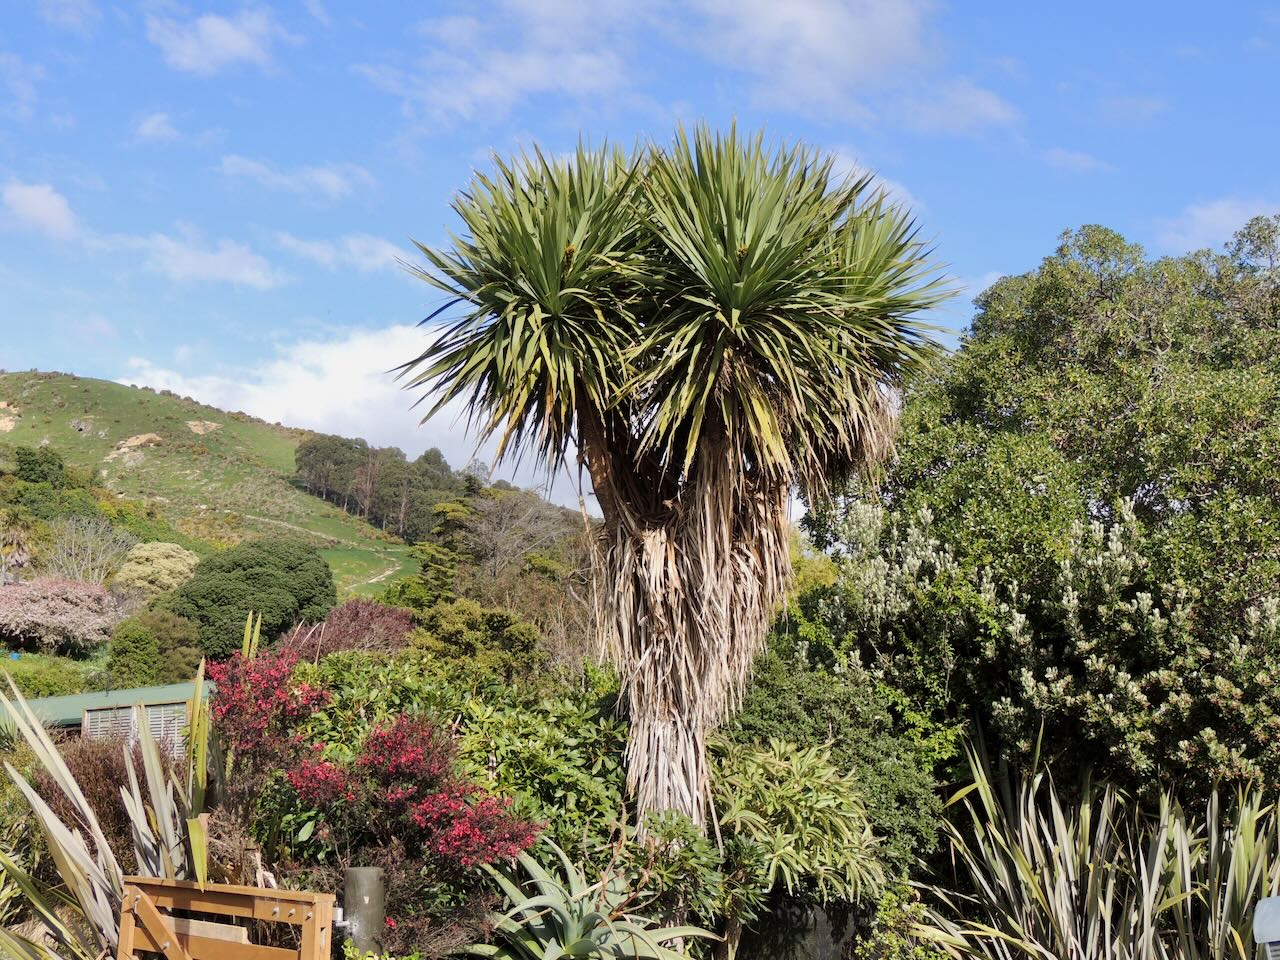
x: 563, y: 915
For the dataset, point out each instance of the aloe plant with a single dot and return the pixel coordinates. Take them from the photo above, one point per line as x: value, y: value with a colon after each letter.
x: 81, y: 915
x: 555, y: 917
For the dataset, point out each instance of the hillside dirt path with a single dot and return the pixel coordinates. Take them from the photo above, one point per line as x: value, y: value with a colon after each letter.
x: 380, y: 577
x: 298, y: 529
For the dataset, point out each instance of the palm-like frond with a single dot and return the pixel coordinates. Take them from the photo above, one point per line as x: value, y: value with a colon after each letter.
x: 546, y: 317
x: 711, y: 325
x: 782, y: 306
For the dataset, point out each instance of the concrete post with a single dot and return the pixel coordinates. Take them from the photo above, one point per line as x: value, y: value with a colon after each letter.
x: 364, y: 903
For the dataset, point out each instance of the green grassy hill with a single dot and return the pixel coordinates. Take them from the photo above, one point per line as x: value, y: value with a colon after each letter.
x: 217, y: 476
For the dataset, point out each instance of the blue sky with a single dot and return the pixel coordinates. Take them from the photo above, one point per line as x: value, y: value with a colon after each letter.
x: 211, y: 198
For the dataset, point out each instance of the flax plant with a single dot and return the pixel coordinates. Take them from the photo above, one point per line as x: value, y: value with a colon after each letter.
x: 1102, y: 876
x: 708, y: 327
x: 80, y: 916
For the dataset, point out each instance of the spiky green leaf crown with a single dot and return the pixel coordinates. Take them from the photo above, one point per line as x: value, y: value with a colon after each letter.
x: 714, y: 295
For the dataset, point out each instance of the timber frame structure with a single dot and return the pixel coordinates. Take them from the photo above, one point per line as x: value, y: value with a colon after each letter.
x: 148, y: 923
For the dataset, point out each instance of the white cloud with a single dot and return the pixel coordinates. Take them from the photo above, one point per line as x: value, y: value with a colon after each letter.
x: 815, y: 54
x: 1076, y: 161
x: 959, y: 106
x: 156, y: 127
x: 39, y: 207
x: 340, y: 385
x: 317, y: 10
x: 19, y: 79
x: 79, y: 16
x: 361, y: 251
x: 187, y: 257
x: 473, y: 68
x: 1210, y: 224
x: 332, y: 181
x: 209, y: 43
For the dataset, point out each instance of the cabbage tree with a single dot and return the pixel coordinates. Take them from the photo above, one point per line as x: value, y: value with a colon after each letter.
x: 707, y: 328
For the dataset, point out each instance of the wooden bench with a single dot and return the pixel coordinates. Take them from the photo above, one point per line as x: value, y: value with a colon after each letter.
x: 147, y: 923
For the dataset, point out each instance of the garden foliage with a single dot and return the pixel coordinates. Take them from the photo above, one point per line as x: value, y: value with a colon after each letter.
x: 56, y: 616
x: 156, y: 568
x: 283, y: 581
x: 1082, y: 528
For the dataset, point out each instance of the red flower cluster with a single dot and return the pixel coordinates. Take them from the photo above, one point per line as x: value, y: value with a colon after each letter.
x: 403, y: 786
x: 475, y: 832
x: 320, y: 783
x: 256, y: 706
x: 406, y: 757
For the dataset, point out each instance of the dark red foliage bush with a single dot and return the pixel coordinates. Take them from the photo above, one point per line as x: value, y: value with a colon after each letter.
x: 355, y: 625
x: 404, y: 785
x: 99, y: 767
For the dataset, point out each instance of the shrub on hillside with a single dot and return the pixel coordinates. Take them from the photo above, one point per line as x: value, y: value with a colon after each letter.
x: 56, y: 616
x: 39, y: 465
x: 357, y: 624
x: 156, y: 568
x: 284, y: 581
x: 493, y: 640
x: 155, y: 646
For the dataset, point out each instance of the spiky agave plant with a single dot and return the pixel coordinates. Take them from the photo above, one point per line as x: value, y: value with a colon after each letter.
x: 709, y: 327
x: 556, y: 916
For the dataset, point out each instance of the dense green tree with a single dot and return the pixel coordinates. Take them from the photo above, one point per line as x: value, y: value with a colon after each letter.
x: 154, y: 646
x: 285, y: 581
x: 495, y: 641
x: 1082, y: 528
x: 40, y: 465
x: 135, y: 656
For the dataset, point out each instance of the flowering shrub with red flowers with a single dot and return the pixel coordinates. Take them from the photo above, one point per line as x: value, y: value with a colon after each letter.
x: 404, y: 784
x: 256, y: 710
x: 321, y: 786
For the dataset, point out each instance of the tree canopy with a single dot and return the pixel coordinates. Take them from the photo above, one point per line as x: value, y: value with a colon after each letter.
x: 1081, y: 531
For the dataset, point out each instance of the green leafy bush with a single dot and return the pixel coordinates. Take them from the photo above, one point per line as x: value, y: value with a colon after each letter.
x: 39, y: 465
x: 1078, y: 528
x: 135, y: 656
x: 804, y: 818
x: 284, y: 581
x: 153, y: 647
x: 39, y: 675
x: 156, y: 568
x: 890, y: 750
x: 491, y: 640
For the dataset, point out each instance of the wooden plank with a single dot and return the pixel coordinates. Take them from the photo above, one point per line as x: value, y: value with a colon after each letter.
x: 209, y: 930
x: 155, y: 925
x: 262, y: 906
x: 204, y: 948
x: 155, y: 884
x: 124, y: 950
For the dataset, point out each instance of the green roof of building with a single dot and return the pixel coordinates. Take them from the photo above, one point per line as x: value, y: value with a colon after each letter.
x: 69, y: 711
